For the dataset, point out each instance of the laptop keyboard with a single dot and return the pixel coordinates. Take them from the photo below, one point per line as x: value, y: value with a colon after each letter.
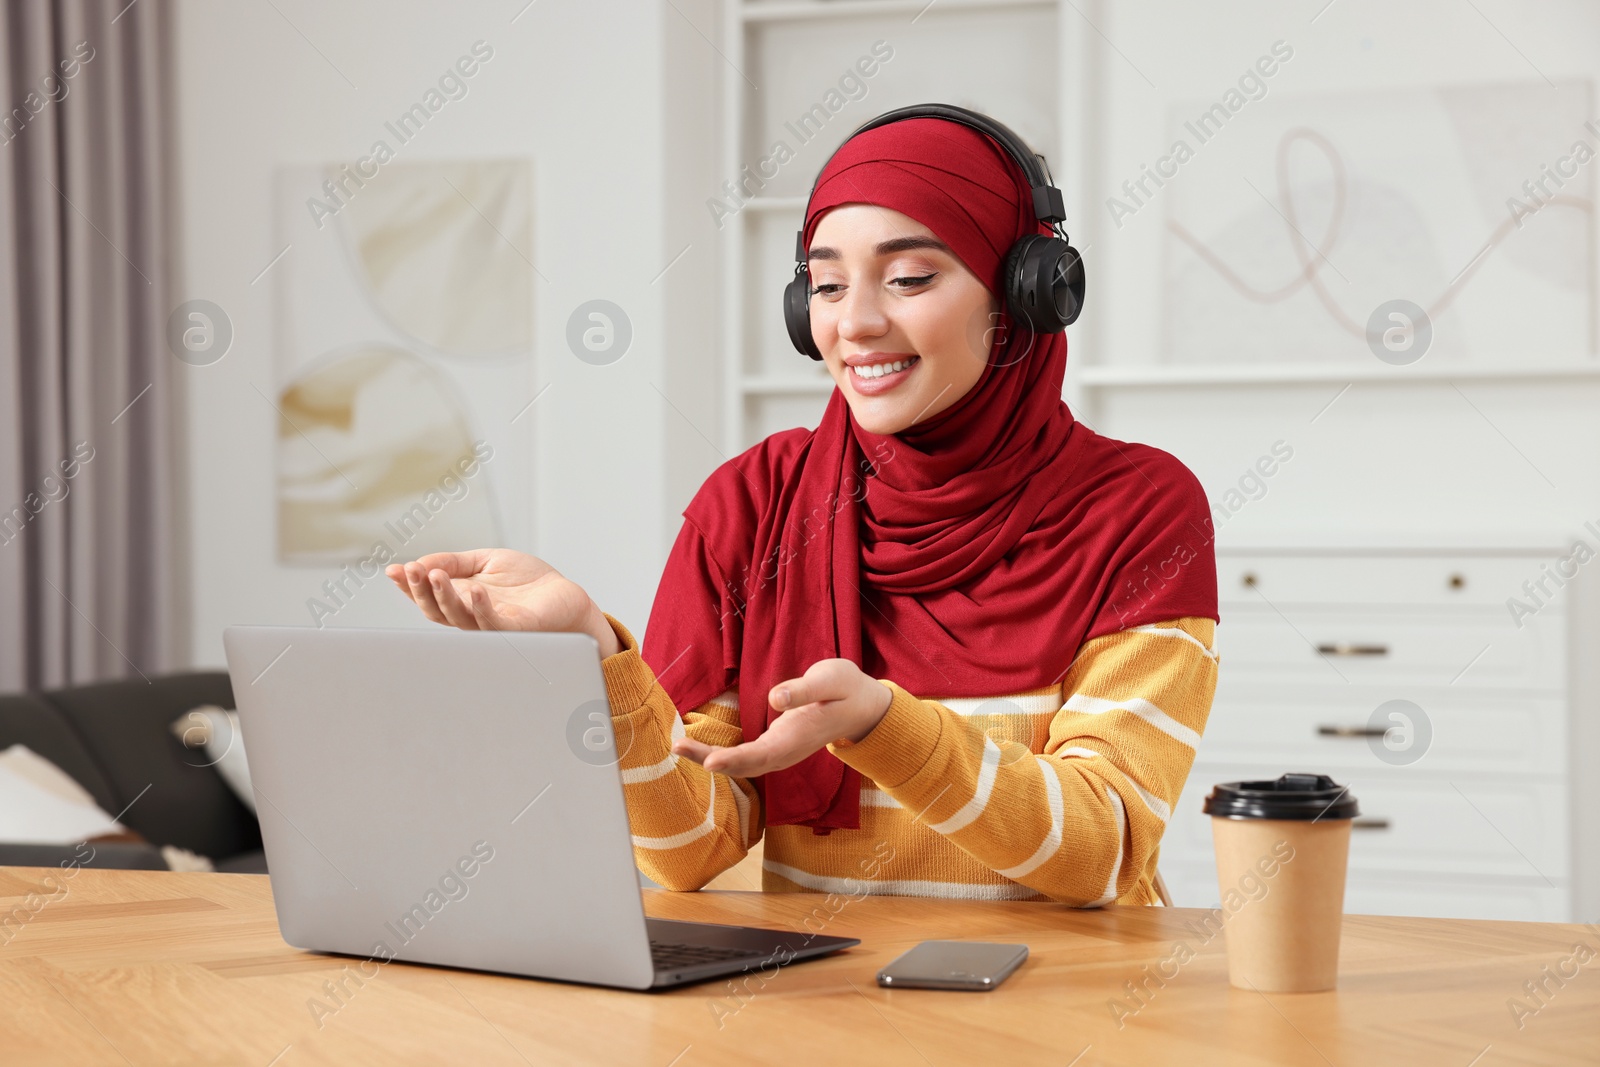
x: 668, y: 954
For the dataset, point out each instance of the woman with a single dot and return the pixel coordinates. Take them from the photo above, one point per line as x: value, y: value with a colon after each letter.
x: 952, y: 642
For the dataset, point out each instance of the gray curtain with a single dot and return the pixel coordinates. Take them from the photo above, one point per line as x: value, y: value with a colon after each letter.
x: 87, y: 524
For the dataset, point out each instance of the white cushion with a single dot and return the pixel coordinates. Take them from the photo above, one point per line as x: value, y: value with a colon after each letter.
x: 213, y: 733
x: 41, y: 804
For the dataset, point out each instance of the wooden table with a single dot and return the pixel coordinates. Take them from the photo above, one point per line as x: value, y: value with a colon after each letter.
x: 145, y: 967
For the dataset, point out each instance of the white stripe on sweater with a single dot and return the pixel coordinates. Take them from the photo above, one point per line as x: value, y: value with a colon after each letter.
x: 1157, y: 806
x: 1177, y: 631
x: 876, y: 798
x: 1021, y: 704
x: 904, y: 888
x: 1088, y: 705
x: 690, y: 835
x: 980, y: 798
x: 635, y: 775
x: 1118, y: 813
x: 1052, y: 840
x: 742, y: 803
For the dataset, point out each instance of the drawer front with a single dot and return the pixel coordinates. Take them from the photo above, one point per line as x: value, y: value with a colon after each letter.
x: 1349, y: 647
x: 1347, y: 730
x: 1366, y: 893
x: 1424, y: 581
x: 1405, y: 825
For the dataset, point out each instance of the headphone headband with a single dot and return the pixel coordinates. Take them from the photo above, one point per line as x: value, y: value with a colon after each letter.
x: 1048, y: 204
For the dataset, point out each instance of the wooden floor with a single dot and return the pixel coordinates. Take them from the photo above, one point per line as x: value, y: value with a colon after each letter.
x: 143, y: 967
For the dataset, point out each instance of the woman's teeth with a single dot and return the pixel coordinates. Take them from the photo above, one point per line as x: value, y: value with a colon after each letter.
x: 878, y: 370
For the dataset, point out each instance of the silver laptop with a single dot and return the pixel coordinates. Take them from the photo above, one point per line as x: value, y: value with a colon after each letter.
x: 450, y: 797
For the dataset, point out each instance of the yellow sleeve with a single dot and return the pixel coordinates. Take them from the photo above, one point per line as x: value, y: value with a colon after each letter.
x: 1081, y: 821
x: 689, y: 824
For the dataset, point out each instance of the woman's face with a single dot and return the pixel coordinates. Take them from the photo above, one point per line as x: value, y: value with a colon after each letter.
x: 888, y: 292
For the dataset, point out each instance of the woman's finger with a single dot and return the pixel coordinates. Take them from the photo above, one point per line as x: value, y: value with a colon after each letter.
x: 798, y: 692
x: 422, y: 593
x: 444, y: 591
x: 483, y: 609
x: 689, y: 748
x: 791, y: 738
x: 741, y: 761
x: 787, y: 694
x: 769, y: 752
x: 455, y: 564
x: 397, y: 575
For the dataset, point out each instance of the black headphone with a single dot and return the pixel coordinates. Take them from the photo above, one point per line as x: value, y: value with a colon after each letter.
x: 1043, y: 275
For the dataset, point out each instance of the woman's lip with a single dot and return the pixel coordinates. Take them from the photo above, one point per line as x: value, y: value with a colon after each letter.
x: 874, y: 386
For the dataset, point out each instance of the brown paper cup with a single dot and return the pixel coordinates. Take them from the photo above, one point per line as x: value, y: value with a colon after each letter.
x: 1284, y: 938
x: 1281, y: 880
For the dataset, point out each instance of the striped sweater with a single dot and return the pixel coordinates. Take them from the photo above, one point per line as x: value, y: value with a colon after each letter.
x: 1054, y: 793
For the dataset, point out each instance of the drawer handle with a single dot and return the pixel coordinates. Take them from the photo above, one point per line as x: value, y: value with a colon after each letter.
x: 1341, y: 648
x: 1353, y: 731
x: 1369, y: 824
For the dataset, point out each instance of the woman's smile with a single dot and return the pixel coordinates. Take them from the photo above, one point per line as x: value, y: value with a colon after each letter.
x: 874, y: 374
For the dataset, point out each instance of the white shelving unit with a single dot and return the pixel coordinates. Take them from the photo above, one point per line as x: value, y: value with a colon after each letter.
x: 1129, y: 377
x: 1051, y: 70
x: 767, y: 385
x: 798, y: 10
x: 1088, y: 121
x: 1161, y: 377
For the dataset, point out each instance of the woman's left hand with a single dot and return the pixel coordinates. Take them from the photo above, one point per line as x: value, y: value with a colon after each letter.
x: 833, y: 700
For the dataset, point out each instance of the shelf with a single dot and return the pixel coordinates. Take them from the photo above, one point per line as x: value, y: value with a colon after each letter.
x: 1241, y: 374
x: 1278, y: 374
x: 773, y: 385
x: 775, y: 203
x: 800, y: 10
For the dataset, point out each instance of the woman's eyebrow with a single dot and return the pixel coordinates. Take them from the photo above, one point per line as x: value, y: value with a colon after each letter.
x: 887, y: 248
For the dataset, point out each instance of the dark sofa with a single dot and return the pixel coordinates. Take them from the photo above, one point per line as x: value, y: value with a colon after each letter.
x: 115, y: 738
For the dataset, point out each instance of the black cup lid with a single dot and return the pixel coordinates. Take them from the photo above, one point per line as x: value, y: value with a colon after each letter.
x: 1292, y: 796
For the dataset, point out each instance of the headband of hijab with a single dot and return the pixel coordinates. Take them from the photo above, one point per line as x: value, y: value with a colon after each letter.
x: 968, y: 555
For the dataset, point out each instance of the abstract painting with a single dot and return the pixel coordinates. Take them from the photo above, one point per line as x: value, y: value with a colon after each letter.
x: 405, y: 328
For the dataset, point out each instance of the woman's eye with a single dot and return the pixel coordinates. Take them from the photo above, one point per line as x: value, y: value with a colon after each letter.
x: 834, y: 288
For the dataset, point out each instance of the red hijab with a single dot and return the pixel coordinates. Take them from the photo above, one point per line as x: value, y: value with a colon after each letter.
x: 969, y: 555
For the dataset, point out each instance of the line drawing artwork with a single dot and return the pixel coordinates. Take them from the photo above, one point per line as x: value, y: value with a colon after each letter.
x: 1284, y: 234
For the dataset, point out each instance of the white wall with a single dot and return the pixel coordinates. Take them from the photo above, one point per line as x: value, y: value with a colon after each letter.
x: 1391, y: 459
x: 692, y: 427
x: 594, y: 93
x: 574, y: 87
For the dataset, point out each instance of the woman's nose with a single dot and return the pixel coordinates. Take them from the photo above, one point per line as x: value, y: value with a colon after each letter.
x: 861, y: 315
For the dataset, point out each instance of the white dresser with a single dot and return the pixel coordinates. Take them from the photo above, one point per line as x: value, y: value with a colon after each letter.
x: 1470, y: 741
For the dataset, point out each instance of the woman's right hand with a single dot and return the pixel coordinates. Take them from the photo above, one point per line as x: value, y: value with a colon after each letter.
x: 499, y: 589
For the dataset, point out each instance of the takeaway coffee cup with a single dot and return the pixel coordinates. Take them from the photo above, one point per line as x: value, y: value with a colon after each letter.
x: 1282, y: 847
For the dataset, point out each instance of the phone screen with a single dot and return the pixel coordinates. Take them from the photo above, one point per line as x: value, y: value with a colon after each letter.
x: 977, y: 965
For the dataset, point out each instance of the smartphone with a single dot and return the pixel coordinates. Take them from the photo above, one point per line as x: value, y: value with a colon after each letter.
x: 978, y: 965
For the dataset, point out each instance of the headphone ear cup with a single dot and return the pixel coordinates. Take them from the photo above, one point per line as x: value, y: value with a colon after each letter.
x: 797, y: 314
x: 1044, y: 282
x: 1075, y: 281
